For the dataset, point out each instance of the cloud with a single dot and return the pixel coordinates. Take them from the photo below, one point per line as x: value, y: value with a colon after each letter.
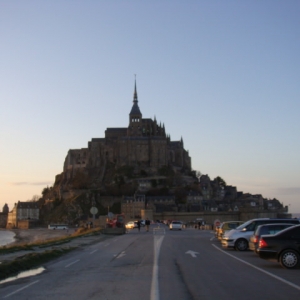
x: 288, y: 191
x: 32, y: 183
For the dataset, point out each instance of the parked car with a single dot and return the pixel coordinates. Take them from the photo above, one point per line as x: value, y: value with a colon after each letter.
x: 264, y: 230
x: 226, y: 226
x: 175, y: 225
x: 131, y: 225
x: 239, y: 238
x: 283, y: 247
x: 216, y: 230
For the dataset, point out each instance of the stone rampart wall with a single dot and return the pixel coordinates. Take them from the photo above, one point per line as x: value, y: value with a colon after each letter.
x: 211, y: 217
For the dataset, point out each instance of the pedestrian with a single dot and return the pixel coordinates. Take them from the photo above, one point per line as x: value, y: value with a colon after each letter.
x: 139, y: 225
x: 147, y: 223
x: 199, y: 225
x: 203, y: 225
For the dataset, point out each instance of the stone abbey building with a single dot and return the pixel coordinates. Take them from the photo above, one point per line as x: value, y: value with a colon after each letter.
x: 143, y: 145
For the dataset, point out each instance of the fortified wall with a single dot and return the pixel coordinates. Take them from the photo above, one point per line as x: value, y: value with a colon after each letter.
x: 211, y: 217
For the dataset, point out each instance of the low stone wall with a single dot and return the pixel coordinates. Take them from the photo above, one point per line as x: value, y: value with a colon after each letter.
x: 211, y: 217
x: 27, y: 224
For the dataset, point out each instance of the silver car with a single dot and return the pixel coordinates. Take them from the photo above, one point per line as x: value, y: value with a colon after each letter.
x: 176, y: 225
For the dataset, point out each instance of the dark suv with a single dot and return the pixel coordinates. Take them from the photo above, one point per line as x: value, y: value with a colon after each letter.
x: 283, y: 246
x: 263, y: 230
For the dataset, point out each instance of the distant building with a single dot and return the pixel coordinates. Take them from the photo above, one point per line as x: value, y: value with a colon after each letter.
x: 23, y: 215
x: 3, y: 216
x: 132, y: 206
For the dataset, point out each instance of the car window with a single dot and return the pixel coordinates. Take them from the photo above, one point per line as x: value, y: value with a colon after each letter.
x: 274, y: 229
x: 251, y: 226
x: 264, y: 230
x: 232, y: 225
x: 244, y: 225
x: 285, y: 226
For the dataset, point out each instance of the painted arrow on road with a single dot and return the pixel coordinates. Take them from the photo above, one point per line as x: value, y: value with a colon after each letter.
x: 121, y: 254
x: 193, y: 253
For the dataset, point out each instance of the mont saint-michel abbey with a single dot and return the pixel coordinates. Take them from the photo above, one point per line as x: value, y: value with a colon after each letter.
x: 143, y: 145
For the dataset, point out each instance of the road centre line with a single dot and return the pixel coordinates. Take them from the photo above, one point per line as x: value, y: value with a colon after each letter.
x: 261, y: 270
x: 155, y: 284
x: 24, y: 287
x: 94, y: 251
x: 72, y: 263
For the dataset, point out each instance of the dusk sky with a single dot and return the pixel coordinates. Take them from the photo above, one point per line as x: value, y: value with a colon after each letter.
x: 223, y: 75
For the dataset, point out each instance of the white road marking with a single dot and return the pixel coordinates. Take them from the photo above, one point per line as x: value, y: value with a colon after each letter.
x: 159, y: 230
x: 261, y: 270
x: 72, y: 263
x: 121, y: 254
x: 154, y: 284
x: 192, y: 253
x: 24, y: 287
x: 94, y: 251
x: 106, y: 245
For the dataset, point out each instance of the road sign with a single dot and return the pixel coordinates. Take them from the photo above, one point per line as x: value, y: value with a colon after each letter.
x: 93, y: 210
x: 217, y: 222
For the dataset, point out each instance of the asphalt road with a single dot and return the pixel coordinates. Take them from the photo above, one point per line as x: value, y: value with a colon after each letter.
x: 160, y: 264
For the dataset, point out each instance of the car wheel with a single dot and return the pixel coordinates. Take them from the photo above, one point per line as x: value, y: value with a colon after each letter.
x: 241, y: 245
x: 289, y: 259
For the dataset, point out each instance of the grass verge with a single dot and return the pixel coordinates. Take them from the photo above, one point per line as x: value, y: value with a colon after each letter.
x: 29, y: 261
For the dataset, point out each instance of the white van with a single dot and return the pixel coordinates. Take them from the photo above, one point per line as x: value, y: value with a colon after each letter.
x: 239, y: 238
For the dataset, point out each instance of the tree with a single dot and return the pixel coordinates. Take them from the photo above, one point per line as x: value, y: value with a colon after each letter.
x: 34, y: 198
x: 221, y: 182
x: 165, y: 171
x: 180, y: 195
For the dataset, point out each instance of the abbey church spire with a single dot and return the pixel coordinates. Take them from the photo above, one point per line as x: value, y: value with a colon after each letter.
x: 135, y: 110
x: 135, y: 115
x: 135, y: 97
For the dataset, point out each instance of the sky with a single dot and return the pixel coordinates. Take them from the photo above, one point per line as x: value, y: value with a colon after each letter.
x: 223, y: 75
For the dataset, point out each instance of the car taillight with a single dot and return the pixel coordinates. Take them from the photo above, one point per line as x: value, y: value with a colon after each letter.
x: 262, y: 243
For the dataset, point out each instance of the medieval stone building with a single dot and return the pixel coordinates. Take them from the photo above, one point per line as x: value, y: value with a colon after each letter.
x: 143, y: 145
x: 23, y: 215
